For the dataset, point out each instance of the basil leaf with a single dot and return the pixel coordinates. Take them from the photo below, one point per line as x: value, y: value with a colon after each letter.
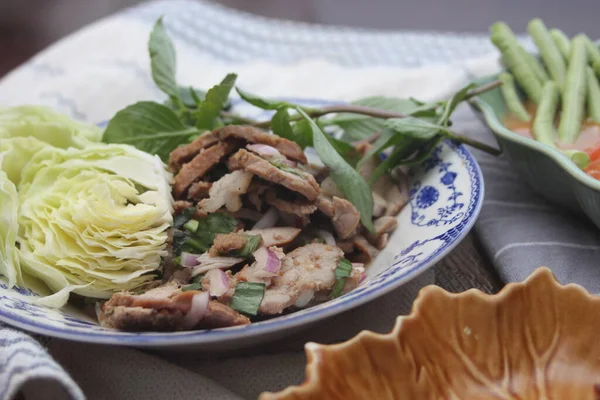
x: 265, y: 104
x: 163, y: 60
x: 280, y: 124
x: 180, y: 219
x: 193, y: 286
x: 215, y: 100
x: 414, y: 127
x: 252, y: 243
x: 357, y: 126
x: 451, y: 104
x: 247, y: 297
x: 149, y: 126
x: 347, y: 179
x: 342, y: 271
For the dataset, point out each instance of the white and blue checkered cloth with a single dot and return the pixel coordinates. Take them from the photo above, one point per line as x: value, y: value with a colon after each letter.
x: 104, y: 67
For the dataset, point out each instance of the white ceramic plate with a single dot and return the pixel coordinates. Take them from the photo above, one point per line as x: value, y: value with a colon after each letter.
x: 445, y: 199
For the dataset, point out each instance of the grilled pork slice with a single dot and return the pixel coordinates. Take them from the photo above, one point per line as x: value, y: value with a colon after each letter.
x: 383, y: 227
x: 275, y: 236
x: 183, y: 154
x: 343, y: 214
x: 253, y: 135
x: 199, y: 190
x: 227, y: 192
x: 297, y: 181
x: 200, y: 165
x: 227, y: 243
x: 304, y: 271
x: 167, y: 308
x: 299, y: 208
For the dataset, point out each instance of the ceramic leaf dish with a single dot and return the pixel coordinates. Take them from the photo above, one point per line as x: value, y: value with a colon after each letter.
x: 533, y: 340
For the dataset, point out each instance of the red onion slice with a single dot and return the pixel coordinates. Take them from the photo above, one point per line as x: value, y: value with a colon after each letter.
x: 189, y: 260
x: 327, y: 236
x: 304, y: 298
x: 268, y: 220
x: 264, y: 150
x: 218, y: 282
x: 198, y: 309
x: 267, y: 260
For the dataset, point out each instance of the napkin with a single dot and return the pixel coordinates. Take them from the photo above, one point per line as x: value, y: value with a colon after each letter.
x: 104, y: 67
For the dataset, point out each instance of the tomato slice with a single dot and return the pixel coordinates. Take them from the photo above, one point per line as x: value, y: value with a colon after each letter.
x: 594, y: 153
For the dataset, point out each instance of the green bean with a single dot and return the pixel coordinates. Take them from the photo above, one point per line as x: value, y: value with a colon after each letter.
x: 535, y: 65
x: 592, y: 50
x: 596, y: 68
x: 580, y: 158
x: 593, y: 95
x: 504, y: 39
x: 550, y: 53
x: 511, y: 97
x: 543, y: 123
x: 562, y: 42
x: 573, y: 104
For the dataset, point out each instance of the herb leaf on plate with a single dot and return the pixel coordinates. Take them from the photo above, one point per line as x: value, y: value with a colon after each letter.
x: 214, y: 102
x: 450, y: 105
x: 149, y: 126
x: 247, y: 297
x: 260, y: 102
x: 347, y: 179
x: 163, y: 60
x: 357, y: 126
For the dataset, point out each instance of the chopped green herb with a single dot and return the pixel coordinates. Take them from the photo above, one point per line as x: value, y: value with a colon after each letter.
x: 251, y: 245
x: 213, y: 224
x: 343, y: 271
x: 179, y: 241
x: 193, y: 286
x: 198, y: 278
x: 191, y: 225
x: 180, y: 219
x: 194, y: 245
x: 247, y: 297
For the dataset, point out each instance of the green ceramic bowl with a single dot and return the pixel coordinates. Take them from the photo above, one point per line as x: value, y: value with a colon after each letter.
x: 547, y: 170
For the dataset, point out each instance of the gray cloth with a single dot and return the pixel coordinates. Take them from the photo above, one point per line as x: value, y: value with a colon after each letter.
x: 520, y: 230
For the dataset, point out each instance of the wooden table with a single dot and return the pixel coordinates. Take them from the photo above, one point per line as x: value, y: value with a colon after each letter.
x: 467, y: 267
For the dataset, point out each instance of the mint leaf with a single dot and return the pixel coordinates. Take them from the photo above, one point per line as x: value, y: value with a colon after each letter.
x: 280, y: 125
x: 347, y: 179
x: 342, y: 271
x: 357, y: 127
x: 191, y: 97
x: 151, y: 127
x: 414, y: 127
x: 303, y: 135
x: 387, y: 139
x: 163, y: 60
x: 251, y: 245
x: 247, y: 297
x: 183, y: 217
x: 450, y: 105
x: 215, y: 100
x: 265, y: 104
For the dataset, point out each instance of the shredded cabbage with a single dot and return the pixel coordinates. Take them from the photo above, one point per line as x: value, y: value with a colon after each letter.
x: 87, y: 217
x: 9, y: 203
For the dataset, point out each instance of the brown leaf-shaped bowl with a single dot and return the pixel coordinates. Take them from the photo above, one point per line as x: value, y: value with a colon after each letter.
x: 533, y: 340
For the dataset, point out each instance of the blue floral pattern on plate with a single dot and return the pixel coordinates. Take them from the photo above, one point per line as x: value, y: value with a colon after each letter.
x: 446, y: 193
